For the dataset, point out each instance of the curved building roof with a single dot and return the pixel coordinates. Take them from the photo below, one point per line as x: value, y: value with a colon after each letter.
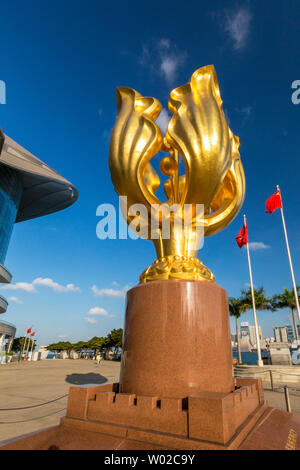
x: 7, y: 329
x: 44, y: 190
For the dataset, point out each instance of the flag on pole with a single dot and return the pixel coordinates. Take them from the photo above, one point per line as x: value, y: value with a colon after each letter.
x: 29, y: 330
x: 242, y: 238
x: 32, y: 346
x: 274, y: 202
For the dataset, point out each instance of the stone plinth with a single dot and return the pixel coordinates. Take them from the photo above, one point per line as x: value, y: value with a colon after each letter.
x: 176, y: 387
x: 212, y: 417
x: 102, y: 418
x: 176, y: 340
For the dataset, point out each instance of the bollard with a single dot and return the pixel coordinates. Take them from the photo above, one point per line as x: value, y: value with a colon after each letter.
x: 271, y: 379
x: 287, y: 399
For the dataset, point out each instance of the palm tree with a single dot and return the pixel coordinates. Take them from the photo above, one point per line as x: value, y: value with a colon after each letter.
x: 236, y: 308
x: 287, y: 300
x: 262, y: 302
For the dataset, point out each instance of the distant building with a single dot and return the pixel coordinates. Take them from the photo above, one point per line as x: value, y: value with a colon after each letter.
x: 7, y: 332
x: 245, y: 343
x: 28, y: 189
x: 249, y: 330
x: 284, y: 334
x: 270, y: 339
x: 290, y: 333
x: 280, y: 353
x: 42, y: 352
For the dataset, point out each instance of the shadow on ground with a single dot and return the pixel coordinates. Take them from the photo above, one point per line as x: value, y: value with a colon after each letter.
x: 83, y: 379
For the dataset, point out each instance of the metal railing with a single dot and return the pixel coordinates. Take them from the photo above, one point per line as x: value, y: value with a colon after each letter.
x: 275, y: 386
x: 31, y: 407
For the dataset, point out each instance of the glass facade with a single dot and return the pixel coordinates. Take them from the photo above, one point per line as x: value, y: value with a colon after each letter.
x: 10, y: 195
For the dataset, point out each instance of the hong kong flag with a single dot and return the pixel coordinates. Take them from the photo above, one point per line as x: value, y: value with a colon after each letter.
x: 242, y: 238
x: 273, y: 203
x: 29, y: 331
x: 32, y: 334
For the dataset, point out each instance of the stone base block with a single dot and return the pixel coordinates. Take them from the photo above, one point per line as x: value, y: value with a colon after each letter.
x: 100, y: 417
x: 202, y: 420
x: 216, y: 416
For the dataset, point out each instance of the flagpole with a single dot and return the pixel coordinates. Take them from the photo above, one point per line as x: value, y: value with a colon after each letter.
x: 259, y: 361
x: 29, y: 348
x: 289, y: 256
x: 32, y: 350
x: 24, y: 346
x: 26, y: 351
x: 25, y: 338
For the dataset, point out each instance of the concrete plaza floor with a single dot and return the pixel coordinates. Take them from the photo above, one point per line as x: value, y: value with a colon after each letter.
x: 26, y: 384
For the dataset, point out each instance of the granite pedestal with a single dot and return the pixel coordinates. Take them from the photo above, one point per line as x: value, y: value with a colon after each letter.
x: 176, y: 388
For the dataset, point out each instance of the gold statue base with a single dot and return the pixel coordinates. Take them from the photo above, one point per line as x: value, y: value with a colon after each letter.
x: 101, y: 418
x: 177, y: 267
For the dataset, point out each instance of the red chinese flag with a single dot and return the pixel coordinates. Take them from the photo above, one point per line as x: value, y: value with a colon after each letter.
x: 29, y: 331
x: 33, y: 334
x: 242, y: 238
x: 273, y: 203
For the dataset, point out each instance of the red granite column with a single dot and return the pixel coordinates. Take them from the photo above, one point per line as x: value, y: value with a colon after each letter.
x: 176, y: 339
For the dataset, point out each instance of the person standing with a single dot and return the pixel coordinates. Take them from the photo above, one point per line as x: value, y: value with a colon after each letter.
x: 98, y: 358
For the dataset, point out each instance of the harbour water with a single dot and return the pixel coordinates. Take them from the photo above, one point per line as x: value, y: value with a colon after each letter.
x: 250, y: 358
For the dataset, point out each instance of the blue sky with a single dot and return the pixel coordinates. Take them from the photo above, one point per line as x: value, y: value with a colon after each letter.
x: 61, y: 62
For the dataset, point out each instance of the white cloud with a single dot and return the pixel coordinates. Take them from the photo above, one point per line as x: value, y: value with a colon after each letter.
x: 168, y: 67
x: 258, y: 246
x: 47, y: 282
x: 63, y: 336
x: 25, y: 286
x: 15, y: 299
x: 164, y: 57
x: 163, y: 120
x: 237, y: 25
x: 110, y: 292
x: 99, y: 311
x: 91, y: 320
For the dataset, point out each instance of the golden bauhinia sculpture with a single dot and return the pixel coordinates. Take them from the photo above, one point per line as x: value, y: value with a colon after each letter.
x: 213, y: 176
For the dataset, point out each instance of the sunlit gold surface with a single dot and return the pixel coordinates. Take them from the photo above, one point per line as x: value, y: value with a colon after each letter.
x: 214, y: 176
x: 168, y: 166
x: 177, y: 267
